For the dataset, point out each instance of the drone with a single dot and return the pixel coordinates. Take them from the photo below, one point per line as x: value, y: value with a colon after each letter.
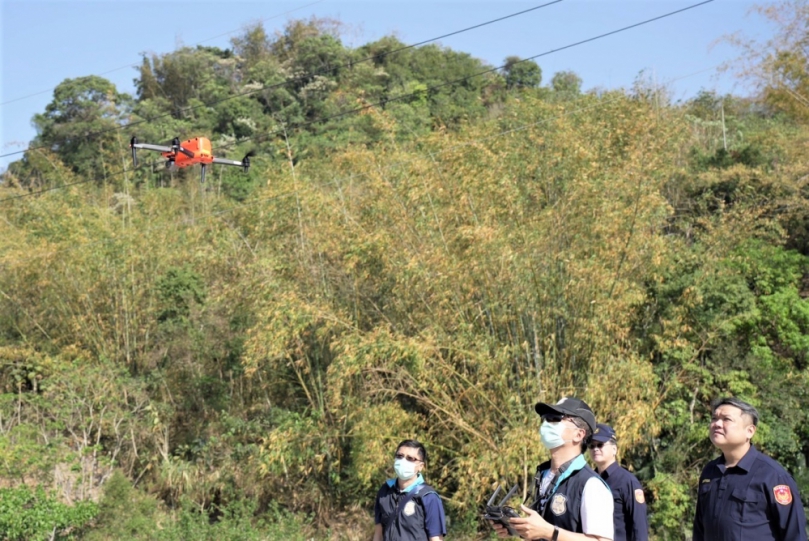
x: 191, y: 152
x: 500, y: 512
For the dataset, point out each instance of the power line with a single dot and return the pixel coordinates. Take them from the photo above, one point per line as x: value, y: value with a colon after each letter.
x: 388, y: 168
x: 468, y: 77
x: 136, y: 65
x: 298, y: 78
x: 410, y: 94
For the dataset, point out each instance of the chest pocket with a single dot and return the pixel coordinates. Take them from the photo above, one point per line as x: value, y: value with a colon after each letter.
x: 748, y: 506
x: 704, y: 496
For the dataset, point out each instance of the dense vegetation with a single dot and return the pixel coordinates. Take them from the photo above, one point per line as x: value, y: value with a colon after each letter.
x: 237, y: 360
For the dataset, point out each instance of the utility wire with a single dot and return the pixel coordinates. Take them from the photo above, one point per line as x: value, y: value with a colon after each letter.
x: 136, y: 65
x: 460, y: 80
x: 388, y: 168
x: 298, y: 78
x: 403, y: 96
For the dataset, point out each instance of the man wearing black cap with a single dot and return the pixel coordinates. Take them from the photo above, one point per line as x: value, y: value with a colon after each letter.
x: 630, y: 503
x: 571, y: 502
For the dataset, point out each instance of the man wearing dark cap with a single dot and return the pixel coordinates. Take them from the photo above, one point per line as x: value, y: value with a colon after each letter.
x: 571, y: 502
x: 744, y: 495
x: 630, y: 503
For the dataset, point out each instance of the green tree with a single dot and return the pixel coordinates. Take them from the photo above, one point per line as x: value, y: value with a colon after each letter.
x: 521, y: 73
x: 566, y: 82
x: 79, y: 124
x: 32, y: 515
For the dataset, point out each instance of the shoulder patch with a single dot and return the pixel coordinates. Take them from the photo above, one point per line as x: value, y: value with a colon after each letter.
x: 639, y: 497
x: 559, y: 504
x: 706, y: 481
x: 783, y: 494
x: 409, y: 508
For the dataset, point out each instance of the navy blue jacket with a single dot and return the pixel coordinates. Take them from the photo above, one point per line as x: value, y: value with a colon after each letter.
x: 413, y: 514
x: 756, y: 500
x: 563, y: 506
x: 630, y: 504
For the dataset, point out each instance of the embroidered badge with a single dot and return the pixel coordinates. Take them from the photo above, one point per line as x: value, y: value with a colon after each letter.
x: 409, y: 508
x: 559, y: 504
x: 639, y: 497
x: 782, y: 494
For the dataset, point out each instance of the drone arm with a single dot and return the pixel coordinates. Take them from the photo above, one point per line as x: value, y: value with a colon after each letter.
x: 223, y: 161
x: 177, y: 147
x: 245, y: 163
x: 147, y: 146
x: 185, y: 151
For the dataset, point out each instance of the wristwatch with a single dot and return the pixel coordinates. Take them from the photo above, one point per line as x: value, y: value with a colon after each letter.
x: 554, y: 537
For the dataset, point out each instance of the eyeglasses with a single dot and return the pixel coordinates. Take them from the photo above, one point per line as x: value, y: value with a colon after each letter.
x: 400, y: 456
x: 600, y: 444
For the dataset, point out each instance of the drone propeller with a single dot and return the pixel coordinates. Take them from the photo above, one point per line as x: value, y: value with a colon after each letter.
x: 177, y: 147
x: 132, y: 143
x: 246, y: 160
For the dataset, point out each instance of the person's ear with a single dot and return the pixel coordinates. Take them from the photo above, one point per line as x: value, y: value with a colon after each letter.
x: 751, y: 430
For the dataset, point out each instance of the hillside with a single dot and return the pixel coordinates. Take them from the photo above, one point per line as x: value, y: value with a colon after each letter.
x: 417, y: 251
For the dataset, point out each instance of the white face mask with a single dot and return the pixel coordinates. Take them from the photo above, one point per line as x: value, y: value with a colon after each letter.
x: 404, y: 469
x: 551, y: 434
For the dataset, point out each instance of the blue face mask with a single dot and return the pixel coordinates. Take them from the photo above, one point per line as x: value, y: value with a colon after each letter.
x: 404, y: 469
x: 551, y: 434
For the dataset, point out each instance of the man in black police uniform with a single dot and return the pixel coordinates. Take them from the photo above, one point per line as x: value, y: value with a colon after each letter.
x: 630, y: 503
x: 571, y: 501
x: 745, y: 495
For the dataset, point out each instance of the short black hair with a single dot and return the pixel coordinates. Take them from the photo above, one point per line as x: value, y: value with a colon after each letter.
x: 746, y: 408
x: 414, y: 444
x: 588, y: 433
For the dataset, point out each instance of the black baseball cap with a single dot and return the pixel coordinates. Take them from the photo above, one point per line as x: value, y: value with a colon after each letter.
x: 569, y: 406
x: 604, y: 434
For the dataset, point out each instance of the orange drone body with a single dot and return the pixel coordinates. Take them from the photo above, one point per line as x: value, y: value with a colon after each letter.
x: 190, y: 152
x: 199, y: 146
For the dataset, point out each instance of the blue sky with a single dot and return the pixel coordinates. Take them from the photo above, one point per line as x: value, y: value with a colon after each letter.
x: 45, y: 42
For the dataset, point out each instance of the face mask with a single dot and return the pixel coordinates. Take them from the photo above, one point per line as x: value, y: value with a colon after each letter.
x: 551, y: 434
x: 404, y: 469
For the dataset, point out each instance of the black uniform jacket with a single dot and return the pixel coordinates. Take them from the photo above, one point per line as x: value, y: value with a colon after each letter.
x: 756, y: 500
x: 630, y: 504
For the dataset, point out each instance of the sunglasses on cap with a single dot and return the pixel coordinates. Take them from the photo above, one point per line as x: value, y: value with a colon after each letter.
x: 400, y: 456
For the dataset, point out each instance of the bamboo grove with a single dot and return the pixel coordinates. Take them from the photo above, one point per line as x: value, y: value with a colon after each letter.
x: 237, y: 360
